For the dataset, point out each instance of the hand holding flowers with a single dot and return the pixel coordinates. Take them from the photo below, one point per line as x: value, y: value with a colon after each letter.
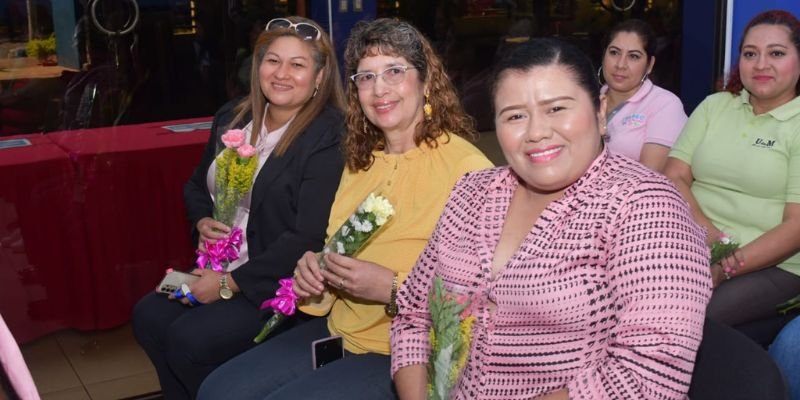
x: 235, y: 170
x: 725, y: 253
x: 372, y: 214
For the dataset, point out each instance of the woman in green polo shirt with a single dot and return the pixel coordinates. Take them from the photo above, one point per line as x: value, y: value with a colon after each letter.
x: 737, y: 162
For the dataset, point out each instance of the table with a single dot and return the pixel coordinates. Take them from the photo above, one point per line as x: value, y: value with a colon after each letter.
x: 90, y: 219
x: 42, y: 242
x: 130, y: 183
x: 27, y: 68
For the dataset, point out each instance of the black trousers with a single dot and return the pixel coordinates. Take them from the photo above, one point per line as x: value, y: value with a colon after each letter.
x: 186, y: 343
x: 748, y: 302
x: 730, y: 366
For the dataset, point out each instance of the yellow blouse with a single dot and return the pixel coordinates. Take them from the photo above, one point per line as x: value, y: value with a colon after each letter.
x: 417, y: 183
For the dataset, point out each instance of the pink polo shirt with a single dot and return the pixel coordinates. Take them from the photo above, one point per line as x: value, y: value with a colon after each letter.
x: 652, y: 115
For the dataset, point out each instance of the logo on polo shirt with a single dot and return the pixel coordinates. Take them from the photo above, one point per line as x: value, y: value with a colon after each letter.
x: 634, y: 120
x: 764, y: 143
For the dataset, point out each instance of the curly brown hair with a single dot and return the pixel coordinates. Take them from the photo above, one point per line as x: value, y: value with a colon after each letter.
x: 399, y: 39
x: 773, y: 17
x: 329, y: 91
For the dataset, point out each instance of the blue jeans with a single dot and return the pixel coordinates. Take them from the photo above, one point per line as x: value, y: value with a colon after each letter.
x: 281, y: 368
x: 785, y: 350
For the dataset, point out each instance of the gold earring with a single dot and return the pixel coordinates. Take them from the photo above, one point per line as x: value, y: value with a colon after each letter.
x: 427, y: 109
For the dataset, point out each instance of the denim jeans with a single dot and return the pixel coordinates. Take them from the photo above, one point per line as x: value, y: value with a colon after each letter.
x: 281, y: 368
x: 785, y: 350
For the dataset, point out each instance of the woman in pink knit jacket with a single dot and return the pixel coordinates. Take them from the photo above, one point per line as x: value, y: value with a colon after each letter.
x: 589, y: 277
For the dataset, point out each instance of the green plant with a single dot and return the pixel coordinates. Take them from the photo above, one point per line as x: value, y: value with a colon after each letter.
x: 41, y: 48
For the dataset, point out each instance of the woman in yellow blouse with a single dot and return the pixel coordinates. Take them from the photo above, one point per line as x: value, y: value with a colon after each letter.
x: 406, y: 139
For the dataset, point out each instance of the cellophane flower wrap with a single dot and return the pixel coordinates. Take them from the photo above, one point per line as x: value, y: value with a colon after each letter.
x: 236, y: 166
x: 450, y: 339
x: 371, y: 215
x: 722, y: 248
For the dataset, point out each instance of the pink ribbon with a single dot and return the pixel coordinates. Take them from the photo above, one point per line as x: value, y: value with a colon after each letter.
x: 285, y: 301
x: 224, y: 250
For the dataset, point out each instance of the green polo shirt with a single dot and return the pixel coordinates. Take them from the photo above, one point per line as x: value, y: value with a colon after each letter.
x: 746, y: 167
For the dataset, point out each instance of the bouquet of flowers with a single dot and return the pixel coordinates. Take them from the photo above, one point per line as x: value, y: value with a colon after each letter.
x: 450, y: 338
x: 722, y: 248
x: 372, y: 214
x: 236, y: 167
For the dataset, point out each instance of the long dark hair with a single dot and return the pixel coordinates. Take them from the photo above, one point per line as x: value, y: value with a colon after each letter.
x: 772, y: 17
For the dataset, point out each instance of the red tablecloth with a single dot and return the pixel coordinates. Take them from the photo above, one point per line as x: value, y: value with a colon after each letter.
x: 43, y: 245
x: 121, y: 217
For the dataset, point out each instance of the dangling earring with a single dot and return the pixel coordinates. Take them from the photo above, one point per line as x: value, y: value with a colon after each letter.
x: 644, y: 78
x: 600, y: 76
x: 316, y: 90
x: 427, y: 109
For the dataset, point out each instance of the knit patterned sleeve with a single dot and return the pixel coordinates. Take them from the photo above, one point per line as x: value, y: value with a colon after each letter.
x: 660, y: 281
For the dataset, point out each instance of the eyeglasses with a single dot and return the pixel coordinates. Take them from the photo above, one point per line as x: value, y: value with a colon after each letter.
x: 304, y: 29
x: 392, y: 75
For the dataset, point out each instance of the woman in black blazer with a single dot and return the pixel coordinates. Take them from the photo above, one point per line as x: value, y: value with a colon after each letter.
x: 296, y: 92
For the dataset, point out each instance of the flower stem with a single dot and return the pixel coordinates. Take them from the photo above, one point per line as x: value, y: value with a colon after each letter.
x: 271, y: 324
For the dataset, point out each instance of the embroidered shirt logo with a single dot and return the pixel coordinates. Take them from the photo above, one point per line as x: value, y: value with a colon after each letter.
x: 634, y: 120
x: 764, y: 143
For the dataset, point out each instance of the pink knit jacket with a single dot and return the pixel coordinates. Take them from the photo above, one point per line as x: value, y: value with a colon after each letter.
x: 605, y: 296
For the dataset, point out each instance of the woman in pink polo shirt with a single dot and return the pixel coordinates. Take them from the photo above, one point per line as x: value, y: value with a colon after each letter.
x: 643, y: 119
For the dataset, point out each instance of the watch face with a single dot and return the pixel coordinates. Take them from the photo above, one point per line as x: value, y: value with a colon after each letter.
x: 225, y: 293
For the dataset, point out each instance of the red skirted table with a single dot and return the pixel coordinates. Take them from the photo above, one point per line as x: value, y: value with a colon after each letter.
x: 43, y: 248
x: 129, y: 190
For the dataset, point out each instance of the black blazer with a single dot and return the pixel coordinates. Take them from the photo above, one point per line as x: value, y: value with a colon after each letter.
x: 291, y: 200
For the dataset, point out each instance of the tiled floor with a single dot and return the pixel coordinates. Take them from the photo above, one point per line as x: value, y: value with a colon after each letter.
x: 108, y: 365
x: 105, y: 365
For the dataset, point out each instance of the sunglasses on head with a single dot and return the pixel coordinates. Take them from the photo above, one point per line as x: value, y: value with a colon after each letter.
x: 304, y: 29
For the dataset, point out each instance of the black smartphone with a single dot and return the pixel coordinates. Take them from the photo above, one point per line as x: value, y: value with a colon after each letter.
x: 327, y: 350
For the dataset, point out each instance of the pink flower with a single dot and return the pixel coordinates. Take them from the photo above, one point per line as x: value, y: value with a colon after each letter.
x: 233, y: 138
x: 246, y: 151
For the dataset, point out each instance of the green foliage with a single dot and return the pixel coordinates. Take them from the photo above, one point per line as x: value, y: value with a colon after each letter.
x: 790, y: 305
x: 41, y: 48
x: 721, y: 250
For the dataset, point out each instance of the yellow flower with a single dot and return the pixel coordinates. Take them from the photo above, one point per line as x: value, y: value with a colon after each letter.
x: 466, y: 339
x: 241, y: 175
